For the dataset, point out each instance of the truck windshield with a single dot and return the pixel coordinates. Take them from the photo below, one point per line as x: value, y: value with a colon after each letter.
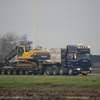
x: 83, y: 56
x: 27, y: 49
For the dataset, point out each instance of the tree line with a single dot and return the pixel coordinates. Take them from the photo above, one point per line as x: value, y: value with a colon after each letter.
x: 9, y: 41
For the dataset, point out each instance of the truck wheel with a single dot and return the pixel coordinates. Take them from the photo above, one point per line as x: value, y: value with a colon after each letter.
x: 14, y: 71
x: 70, y: 71
x: 48, y: 71
x: 55, y: 71
x: 20, y: 72
x: 26, y: 72
x: 2, y: 72
x: 8, y: 71
x: 61, y: 72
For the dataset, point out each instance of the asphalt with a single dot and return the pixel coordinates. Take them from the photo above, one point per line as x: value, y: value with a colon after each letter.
x: 91, y: 74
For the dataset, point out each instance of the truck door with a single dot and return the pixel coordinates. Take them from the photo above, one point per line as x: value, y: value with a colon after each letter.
x: 71, y: 58
x: 20, y: 51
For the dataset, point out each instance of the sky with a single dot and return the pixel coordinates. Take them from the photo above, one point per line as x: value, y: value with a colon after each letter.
x: 58, y: 22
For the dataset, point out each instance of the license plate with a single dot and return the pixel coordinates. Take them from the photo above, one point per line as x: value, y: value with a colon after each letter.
x: 85, y: 72
x: 44, y: 56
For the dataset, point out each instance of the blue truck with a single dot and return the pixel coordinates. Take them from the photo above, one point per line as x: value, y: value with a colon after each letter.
x: 73, y: 60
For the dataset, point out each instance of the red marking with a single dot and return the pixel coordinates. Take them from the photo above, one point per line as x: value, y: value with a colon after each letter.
x: 10, y: 61
x: 40, y: 66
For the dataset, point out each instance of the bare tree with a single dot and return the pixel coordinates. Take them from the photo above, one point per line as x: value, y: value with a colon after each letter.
x: 24, y: 41
x: 9, y: 41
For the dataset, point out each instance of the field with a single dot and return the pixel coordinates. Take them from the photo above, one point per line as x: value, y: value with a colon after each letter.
x: 50, y: 87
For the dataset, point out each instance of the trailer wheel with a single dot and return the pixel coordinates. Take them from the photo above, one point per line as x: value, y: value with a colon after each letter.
x: 8, y: 71
x: 61, y: 72
x: 26, y: 72
x: 2, y: 72
x: 70, y: 71
x: 55, y: 71
x: 20, y: 72
x: 48, y: 71
x: 14, y: 71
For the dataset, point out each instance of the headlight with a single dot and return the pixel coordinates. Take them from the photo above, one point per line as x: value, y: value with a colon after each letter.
x: 78, y: 68
x: 90, y: 68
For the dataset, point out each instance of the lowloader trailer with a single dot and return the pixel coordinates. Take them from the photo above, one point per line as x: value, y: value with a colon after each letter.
x: 73, y: 60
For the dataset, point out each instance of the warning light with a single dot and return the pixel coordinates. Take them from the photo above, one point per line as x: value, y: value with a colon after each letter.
x: 88, y: 47
x: 79, y: 47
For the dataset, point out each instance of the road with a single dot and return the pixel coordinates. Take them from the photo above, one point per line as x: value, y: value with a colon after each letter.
x: 91, y: 74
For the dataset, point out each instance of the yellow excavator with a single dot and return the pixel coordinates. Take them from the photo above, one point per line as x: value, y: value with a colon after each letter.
x: 25, y: 53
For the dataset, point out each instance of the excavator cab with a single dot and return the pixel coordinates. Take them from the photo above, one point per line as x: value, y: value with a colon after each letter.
x: 20, y: 51
x: 24, y: 52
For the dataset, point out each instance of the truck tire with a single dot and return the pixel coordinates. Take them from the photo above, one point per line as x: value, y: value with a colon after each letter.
x: 70, y: 71
x: 2, y: 72
x: 55, y: 71
x: 14, y: 72
x: 26, y: 72
x: 20, y: 72
x: 48, y: 71
x: 8, y: 71
x: 61, y: 72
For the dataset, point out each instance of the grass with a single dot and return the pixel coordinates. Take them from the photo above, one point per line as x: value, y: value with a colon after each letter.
x: 54, y: 82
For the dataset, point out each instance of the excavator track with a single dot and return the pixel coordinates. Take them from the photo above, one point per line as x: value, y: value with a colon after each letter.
x: 20, y: 68
x: 25, y: 64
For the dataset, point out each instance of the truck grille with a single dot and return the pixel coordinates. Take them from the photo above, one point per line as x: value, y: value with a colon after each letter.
x: 85, y: 66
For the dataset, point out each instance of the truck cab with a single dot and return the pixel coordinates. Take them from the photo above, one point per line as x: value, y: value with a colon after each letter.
x: 78, y: 59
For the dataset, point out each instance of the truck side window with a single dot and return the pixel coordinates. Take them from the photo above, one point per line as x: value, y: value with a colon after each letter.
x: 75, y: 56
x: 20, y: 51
x: 70, y: 56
